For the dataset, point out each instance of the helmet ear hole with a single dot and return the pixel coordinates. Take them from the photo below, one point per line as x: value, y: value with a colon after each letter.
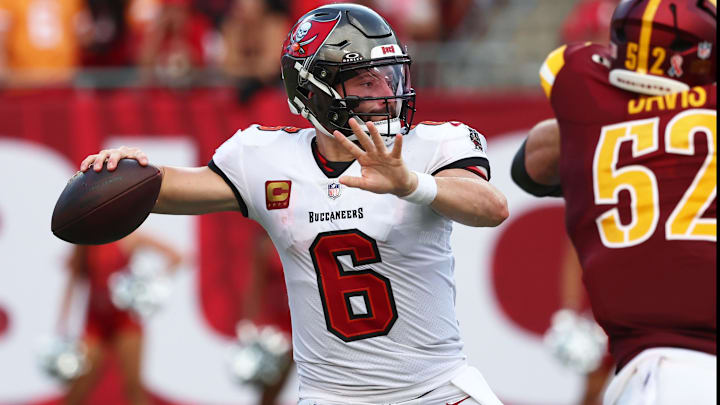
x: 618, y: 34
x: 680, y: 45
x: 338, y: 117
x: 323, y: 74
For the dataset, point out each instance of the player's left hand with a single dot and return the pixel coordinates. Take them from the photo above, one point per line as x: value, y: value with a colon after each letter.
x: 383, y: 171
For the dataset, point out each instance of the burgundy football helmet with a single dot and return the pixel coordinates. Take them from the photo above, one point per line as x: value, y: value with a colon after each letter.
x: 663, y: 46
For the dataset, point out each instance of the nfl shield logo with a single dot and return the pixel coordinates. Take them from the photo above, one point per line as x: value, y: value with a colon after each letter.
x: 704, y: 50
x: 334, y: 190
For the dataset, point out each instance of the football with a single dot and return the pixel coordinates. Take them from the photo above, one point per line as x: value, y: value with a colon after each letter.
x: 102, y: 207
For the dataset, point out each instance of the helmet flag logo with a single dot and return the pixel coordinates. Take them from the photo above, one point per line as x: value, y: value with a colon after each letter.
x: 308, y: 36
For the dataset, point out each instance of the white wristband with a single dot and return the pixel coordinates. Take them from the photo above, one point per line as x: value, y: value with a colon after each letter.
x: 425, y: 192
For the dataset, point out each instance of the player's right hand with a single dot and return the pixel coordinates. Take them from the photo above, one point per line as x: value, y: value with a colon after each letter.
x: 383, y: 171
x: 112, y: 156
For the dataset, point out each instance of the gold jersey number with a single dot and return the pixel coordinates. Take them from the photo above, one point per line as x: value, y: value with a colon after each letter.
x: 685, y: 222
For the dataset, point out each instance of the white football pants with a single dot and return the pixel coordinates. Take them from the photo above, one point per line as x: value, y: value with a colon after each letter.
x: 468, y: 388
x: 665, y: 376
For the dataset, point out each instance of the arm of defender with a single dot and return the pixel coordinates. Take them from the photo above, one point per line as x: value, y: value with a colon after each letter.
x: 465, y: 198
x: 184, y: 190
x: 535, y: 167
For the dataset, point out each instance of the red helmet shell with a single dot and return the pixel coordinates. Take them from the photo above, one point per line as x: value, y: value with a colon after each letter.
x: 669, y: 38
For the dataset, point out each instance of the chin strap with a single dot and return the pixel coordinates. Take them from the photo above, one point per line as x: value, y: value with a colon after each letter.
x: 382, y: 127
x: 645, y: 84
x: 388, y: 139
x: 389, y: 127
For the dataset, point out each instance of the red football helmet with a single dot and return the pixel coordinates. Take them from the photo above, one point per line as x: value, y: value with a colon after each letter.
x: 663, y: 46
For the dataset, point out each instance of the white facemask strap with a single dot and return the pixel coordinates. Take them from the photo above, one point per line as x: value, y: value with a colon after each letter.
x: 306, y: 75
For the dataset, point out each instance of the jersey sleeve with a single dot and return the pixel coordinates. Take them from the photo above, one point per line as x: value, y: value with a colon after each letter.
x: 551, y: 68
x: 574, y: 78
x: 459, y: 147
x: 227, y: 162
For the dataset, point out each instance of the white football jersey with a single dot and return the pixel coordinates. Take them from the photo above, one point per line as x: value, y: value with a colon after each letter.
x: 369, y: 276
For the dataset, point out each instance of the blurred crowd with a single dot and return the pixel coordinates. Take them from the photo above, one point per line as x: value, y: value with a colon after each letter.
x: 589, y: 20
x: 175, y: 42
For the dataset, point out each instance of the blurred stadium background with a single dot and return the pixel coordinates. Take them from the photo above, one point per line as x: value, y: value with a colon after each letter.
x: 178, y: 77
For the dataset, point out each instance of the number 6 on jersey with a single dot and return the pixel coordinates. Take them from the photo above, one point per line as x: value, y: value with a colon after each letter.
x: 340, y: 289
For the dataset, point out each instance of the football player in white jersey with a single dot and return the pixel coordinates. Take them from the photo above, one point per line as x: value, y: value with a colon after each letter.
x: 360, y: 208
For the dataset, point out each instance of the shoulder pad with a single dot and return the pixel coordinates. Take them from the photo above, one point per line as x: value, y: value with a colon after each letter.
x: 438, y: 123
x: 289, y: 130
x: 445, y: 131
x: 262, y: 135
x: 426, y: 129
x: 578, y: 57
x: 551, y: 67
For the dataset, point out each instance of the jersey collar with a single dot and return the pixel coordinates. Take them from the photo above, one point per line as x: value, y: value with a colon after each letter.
x: 330, y: 169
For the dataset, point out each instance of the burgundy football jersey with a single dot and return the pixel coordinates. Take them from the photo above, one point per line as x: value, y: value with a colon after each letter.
x: 639, y: 179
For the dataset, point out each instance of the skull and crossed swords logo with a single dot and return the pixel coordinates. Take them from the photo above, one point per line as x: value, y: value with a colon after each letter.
x: 300, y: 34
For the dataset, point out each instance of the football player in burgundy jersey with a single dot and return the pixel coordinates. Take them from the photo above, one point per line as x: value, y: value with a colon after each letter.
x: 632, y: 150
x: 360, y: 208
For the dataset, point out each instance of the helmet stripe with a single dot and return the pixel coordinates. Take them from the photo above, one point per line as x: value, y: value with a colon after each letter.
x: 645, y: 33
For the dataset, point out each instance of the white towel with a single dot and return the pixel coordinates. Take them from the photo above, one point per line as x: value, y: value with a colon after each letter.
x: 472, y: 382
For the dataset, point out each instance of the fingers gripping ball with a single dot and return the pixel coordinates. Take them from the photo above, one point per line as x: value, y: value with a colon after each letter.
x: 102, y: 207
